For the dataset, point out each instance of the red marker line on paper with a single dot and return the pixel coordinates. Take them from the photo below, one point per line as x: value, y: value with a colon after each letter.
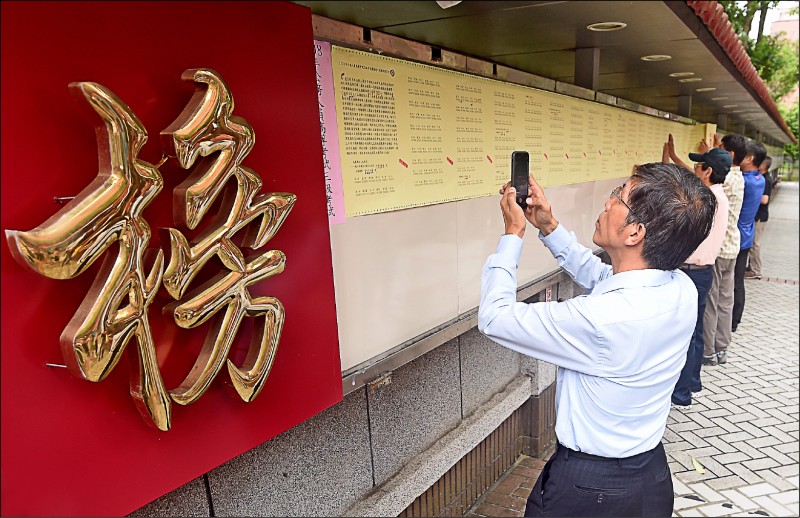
x: 600, y: 152
x: 449, y: 160
x: 490, y: 159
x: 545, y: 156
x: 584, y: 154
x: 403, y: 163
x: 566, y: 155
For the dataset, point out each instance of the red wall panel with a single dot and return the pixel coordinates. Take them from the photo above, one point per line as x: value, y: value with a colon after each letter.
x: 72, y: 447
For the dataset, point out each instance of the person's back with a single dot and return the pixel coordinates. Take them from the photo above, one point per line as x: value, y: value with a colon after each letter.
x: 711, y: 168
x: 751, y: 200
x: 718, y: 315
x: 762, y: 216
x: 640, y: 334
x: 753, y: 189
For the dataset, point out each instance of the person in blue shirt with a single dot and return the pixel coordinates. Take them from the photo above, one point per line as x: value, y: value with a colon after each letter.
x: 753, y: 270
x: 753, y: 189
x: 619, y: 348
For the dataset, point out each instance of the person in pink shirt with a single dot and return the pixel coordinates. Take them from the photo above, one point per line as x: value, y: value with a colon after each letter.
x: 711, y: 167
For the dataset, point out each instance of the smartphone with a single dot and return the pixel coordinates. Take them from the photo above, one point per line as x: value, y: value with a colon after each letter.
x: 519, y: 176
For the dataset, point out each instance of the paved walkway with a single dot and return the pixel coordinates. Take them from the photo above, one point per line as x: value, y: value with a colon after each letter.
x: 735, y: 452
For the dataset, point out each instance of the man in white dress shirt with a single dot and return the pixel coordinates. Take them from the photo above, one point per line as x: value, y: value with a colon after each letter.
x: 619, y: 348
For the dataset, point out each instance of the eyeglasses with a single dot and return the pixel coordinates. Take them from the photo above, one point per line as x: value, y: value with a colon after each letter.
x: 616, y: 194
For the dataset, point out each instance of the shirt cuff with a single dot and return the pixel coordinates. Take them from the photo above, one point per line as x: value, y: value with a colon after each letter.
x: 510, y: 246
x: 558, y: 240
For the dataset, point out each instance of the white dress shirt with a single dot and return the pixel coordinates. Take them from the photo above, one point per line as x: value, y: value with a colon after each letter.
x: 619, y: 349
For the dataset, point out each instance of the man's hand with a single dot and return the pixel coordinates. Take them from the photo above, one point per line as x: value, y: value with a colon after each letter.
x: 669, y: 151
x: 539, y: 212
x: 703, y: 146
x: 513, y: 217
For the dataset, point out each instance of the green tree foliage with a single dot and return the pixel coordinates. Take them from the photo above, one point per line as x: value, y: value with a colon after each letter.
x: 775, y: 58
x: 790, y: 115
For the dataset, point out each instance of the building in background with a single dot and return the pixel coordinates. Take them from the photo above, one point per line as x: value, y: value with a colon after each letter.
x: 789, y: 25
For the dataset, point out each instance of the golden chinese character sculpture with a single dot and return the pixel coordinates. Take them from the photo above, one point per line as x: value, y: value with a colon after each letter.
x: 64, y: 246
x: 207, y: 137
x: 207, y: 129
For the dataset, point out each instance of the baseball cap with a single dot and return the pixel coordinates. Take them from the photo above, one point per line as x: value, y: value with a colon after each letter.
x: 717, y: 158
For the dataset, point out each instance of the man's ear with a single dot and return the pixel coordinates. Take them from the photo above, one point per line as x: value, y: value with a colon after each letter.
x: 635, y: 235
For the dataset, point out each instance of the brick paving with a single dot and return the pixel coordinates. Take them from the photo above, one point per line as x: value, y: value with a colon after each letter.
x: 743, y: 429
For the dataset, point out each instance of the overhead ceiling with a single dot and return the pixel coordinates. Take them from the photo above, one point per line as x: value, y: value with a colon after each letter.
x: 541, y: 38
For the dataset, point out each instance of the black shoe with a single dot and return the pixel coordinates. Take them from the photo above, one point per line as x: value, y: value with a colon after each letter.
x: 710, y: 360
x: 733, y: 328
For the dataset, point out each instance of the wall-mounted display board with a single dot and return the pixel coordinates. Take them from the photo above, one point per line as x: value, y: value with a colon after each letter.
x: 411, y: 134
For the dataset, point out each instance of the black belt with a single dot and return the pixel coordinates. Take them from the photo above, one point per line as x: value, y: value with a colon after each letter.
x: 588, y: 456
x: 687, y: 266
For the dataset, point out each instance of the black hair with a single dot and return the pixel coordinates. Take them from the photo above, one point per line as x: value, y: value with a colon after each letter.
x: 676, y: 209
x: 736, y: 143
x: 716, y: 176
x: 758, y: 151
x: 768, y: 160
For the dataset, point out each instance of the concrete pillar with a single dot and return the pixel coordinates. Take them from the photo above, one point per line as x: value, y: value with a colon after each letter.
x: 685, y: 105
x: 587, y: 68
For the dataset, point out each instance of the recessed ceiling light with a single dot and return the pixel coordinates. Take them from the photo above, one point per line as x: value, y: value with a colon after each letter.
x: 709, y: 89
x: 606, y: 26
x: 737, y: 111
x: 718, y: 98
x: 656, y: 57
x: 681, y: 74
x: 690, y: 80
x: 730, y: 106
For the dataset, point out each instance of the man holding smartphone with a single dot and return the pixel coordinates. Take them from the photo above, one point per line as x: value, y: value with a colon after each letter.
x: 619, y: 348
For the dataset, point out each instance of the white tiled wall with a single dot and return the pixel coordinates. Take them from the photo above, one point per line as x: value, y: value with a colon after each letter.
x: 399, y: 274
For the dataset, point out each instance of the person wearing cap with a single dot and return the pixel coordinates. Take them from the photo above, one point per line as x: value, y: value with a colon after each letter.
x: 718, y: 318
x: 711, y: 167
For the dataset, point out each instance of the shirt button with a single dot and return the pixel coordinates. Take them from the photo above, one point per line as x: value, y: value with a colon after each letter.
x: 600, y: 498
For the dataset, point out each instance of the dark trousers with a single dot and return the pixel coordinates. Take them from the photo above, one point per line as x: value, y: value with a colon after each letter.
x: 689, y: 380
x: 738, y: 286
x: 571, y: 485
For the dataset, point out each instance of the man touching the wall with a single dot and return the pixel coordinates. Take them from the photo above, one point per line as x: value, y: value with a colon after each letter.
x: 718, y: 316
x: 619, y: 349
x: 754, y: 258
x: 753, y: 190
x: 712, y: 168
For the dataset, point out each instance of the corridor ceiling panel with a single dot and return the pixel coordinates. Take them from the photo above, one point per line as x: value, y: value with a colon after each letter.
x: 541, y: 38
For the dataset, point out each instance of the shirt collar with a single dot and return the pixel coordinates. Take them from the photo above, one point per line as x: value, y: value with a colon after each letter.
x: 633, y: 279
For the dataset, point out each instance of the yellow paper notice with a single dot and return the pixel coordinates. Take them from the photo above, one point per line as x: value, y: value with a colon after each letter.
x: 412, y: 134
